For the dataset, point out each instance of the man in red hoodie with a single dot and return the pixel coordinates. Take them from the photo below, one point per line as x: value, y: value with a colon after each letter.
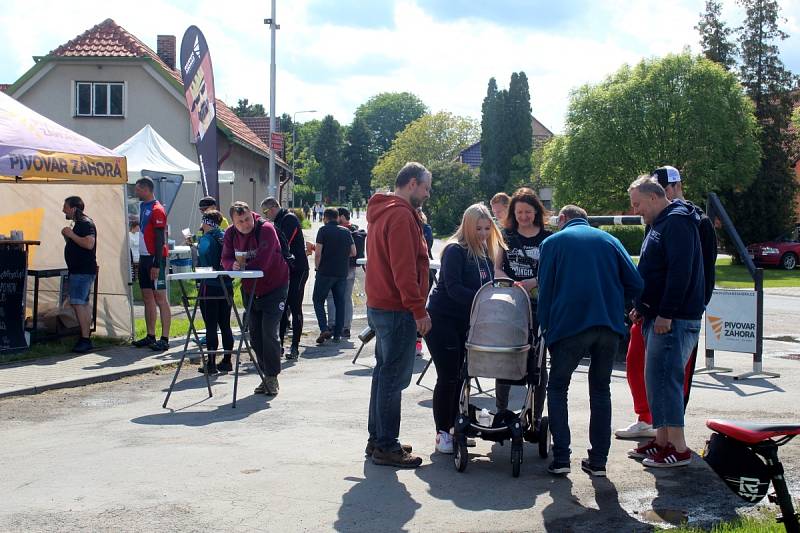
x: 255, y: 242
x: 397, y: 287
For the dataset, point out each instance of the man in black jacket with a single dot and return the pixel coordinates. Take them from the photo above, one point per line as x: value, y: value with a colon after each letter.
x: 670, y: 307
x: 289, y: 225
x: 359, y: 238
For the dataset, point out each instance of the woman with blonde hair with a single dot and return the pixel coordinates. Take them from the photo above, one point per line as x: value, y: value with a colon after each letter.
x: 467, y: 263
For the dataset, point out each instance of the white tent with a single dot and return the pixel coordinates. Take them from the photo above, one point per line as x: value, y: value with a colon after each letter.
x: 147, y: 150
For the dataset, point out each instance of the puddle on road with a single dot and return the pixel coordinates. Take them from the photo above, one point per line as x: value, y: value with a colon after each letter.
x: 675, y: 517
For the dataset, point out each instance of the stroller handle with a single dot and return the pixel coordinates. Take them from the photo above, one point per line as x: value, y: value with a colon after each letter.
x: 503, y: 282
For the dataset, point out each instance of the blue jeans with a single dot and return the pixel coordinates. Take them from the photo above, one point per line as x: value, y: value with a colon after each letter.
x: 599, y: 343
x: 395, y: 340
x: 348, y: 301
x: 80, y: 285
x: 665, y: 361
x: 322, y: 286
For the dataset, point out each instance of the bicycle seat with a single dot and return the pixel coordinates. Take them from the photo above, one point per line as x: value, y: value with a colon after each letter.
x: 751, y: 432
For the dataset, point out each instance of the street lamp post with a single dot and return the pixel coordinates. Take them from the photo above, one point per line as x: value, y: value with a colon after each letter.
x: 294, y: 143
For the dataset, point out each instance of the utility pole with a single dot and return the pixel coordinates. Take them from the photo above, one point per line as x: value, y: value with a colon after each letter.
x: 272, y: 186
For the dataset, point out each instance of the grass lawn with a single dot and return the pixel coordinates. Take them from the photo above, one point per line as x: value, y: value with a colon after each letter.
x: 737, y: 276
x: 763, y: 523
x: 62, y: 346
x: 191, y: 290
x: 178, y: 328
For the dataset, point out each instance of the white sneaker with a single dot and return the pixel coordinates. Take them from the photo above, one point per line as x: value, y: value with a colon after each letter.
x: 444, y: 442
x: 636, y: 430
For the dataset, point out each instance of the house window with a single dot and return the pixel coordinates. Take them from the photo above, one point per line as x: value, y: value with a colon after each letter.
x: 99, y: 99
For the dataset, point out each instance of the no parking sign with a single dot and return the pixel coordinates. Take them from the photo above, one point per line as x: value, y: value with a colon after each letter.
x: 731, y: 321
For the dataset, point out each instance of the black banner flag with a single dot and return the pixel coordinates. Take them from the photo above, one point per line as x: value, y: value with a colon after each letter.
x: 198, y: 86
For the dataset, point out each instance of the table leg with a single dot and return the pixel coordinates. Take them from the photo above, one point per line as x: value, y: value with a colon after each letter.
x: 193, y: 329
x: 34, y: 326
x: 242, y: 339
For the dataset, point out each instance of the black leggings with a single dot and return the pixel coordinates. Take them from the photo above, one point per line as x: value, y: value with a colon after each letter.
x: 294, y: 305
x: 217, y: 313
x: 446, y: 341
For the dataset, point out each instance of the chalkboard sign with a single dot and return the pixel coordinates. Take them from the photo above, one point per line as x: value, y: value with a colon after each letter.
x: 13, y: 266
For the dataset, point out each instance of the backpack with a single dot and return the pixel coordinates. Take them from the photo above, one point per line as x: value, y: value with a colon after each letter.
x: 285, y: 252
x: 360, y: 240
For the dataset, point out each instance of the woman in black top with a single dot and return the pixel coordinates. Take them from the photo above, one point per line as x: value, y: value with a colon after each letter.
x: 523, y: 233
x: 466, y: 265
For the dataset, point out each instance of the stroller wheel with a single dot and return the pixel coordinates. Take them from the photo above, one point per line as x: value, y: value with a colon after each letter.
x: 516, y: 459
x: 544, y: 437
x: 460, y: 455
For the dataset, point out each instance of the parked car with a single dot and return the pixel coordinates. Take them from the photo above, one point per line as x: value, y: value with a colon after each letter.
x: 782, y: 251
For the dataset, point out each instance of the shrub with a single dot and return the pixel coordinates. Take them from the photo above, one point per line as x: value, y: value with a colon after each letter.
x: 631, y: 237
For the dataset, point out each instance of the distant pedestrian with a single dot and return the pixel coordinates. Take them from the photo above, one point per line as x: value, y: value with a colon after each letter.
x: 80, y: 254
x: 397, y: 288
x: 467, y: 263
x: 585, y: 278
x: 359, y: 240
x: 334, y: 248
x: 670, y: 308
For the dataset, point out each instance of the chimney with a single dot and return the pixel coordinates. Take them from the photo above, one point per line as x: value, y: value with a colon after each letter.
x: 165, y: 48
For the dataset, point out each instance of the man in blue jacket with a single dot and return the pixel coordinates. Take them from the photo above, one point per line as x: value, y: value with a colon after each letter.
x: 585, y: 278
x: 670, y: 307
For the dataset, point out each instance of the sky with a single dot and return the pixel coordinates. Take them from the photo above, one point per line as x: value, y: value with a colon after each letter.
x: 332, y: 55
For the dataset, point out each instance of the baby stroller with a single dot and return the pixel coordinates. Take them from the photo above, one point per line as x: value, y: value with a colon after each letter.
x: 502, y: 345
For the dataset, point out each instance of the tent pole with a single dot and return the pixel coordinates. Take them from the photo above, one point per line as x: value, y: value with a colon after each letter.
x: 128, y: 258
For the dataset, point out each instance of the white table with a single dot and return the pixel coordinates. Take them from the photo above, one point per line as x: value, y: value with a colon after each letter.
x: 200, y: 278
x: 433, y: 264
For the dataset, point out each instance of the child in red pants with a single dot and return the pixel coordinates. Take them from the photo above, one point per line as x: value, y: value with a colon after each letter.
x: 634, y: 361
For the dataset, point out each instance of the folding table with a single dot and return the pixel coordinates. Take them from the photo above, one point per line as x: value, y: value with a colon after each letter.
x: 202, y: 278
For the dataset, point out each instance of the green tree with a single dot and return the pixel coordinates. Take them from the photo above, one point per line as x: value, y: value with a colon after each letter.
x: 327, y: 150
x: 429, y: 139
x: 454, y: 188
x: 356, y: 196
x: 679, y: 110
x: 766, y: 207
x: 715, y: 36
x: 387, y: 114
x: 244, y: 109
x: 506, y: 135
x: 358, y: 156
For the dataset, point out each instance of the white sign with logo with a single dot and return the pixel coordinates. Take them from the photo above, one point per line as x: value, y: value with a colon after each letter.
x: 731, y: 321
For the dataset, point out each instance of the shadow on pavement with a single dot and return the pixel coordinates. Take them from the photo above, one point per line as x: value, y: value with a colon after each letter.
x: 245, y: 406
x: 376, y: 502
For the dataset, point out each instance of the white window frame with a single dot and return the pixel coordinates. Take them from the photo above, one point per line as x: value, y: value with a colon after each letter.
x: 108, y: 84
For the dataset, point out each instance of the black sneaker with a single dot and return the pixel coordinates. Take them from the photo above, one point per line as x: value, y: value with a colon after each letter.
x: 225, y: 365
x: 337, y: 340
x: 346, y: 333
x: 325, y: 335
x: 558, y: 469
x: 83, y: 346
x: 398, y: 459
x: 293, y: 354
x: 212, y: 369
x: 160, y: 345
x: 144, y: 341
x: 260, y: 389
x: 596, y: 471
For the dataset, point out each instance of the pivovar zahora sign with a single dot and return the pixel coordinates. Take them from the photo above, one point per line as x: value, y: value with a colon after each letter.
x: 731, y: 321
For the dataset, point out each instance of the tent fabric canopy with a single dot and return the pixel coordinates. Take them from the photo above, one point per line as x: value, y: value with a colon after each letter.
x: 147, y: 150
x: 33, y: 148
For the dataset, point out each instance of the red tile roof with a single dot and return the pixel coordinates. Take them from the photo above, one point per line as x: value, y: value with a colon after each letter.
x: 4, y: 86
x: 109, y: 39
x: 259, y: 126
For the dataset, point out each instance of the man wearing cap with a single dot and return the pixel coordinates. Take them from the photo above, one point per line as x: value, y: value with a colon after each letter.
x: 670, y: 179
x: 206, y: 203
x: 670, y: 309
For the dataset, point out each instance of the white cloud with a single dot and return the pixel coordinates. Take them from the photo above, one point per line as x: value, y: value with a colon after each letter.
x: 333, y: 68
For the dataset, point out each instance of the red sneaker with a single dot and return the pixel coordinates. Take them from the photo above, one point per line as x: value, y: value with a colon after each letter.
x: 648, y: 449
x: 668, y: 457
